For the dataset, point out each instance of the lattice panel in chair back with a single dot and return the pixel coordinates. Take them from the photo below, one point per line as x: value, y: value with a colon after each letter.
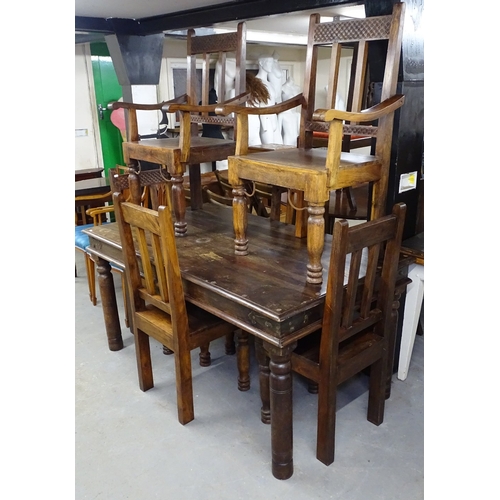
x: 373, y: 28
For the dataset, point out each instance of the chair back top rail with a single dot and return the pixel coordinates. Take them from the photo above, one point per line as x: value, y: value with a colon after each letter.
x: 146, y: 187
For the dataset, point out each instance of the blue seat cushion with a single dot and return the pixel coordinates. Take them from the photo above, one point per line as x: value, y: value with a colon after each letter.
x: 81, y: 239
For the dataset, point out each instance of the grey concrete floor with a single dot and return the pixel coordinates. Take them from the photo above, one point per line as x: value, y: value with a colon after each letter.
x: 130, y: 445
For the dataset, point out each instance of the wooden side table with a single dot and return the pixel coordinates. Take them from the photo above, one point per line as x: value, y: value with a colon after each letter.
x: 88, y: 173
x: 413, y: 247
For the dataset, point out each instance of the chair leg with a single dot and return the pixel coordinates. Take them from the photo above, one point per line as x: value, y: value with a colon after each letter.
x: 205, y: 358
x: 143, y: 357
x: 376, y: 394
x: 353, y: 207
x: 312, y: 387
x: 230, y: 345
x: 90, y: 266
x: 327, y: 408
x: 289, y: 210
x: 125, y: 299
x: 184, y: 385
x: 243, y: 362
x: 391, y: 343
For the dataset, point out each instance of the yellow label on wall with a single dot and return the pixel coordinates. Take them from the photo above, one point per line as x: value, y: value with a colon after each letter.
x: 407, y: 181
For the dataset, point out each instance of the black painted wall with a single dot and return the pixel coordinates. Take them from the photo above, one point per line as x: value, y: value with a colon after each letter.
x: 408, y: 139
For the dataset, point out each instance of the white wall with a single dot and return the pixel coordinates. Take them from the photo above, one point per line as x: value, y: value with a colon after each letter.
x: 88, y: 152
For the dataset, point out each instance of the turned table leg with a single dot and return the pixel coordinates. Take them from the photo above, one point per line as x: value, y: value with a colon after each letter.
x: 109, y: 307
x: 280, y: 390
x: 315, y: 242
x: 240, y: 221
x: 179, y: 205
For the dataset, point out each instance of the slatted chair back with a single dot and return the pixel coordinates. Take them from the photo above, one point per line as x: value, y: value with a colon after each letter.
x: 160, y: 267
x: 326, y: 42
x: 223, y: 68
x: 364, y: 297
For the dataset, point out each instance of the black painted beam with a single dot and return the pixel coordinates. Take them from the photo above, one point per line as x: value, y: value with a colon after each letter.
x: 92, y: 24
x: 202, y: 17
x: 231, y: 12
x: 108, y: 26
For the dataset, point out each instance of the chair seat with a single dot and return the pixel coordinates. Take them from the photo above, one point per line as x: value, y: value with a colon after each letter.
x: 274, y: 167
x: 362, y: 350
x: 166, y: 151
x: 202, y: 325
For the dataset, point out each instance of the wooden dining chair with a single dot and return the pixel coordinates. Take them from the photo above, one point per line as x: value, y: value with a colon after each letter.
x: 158, y: 304
x: 150, y: 189
x: 227, y: 53
x: 356, y: 325
x: 316, y: 172
x: 82, y: 240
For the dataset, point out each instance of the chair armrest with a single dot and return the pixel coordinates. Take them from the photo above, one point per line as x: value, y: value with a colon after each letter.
x: 367, y: 115
x: 104, y: 197
x: 145, y: 107
x: 209, y: 108
x: 227, y: 108
x: 233, y: 105
x: 190, y: 108
x: 98, y: 212
x: 133, y: 107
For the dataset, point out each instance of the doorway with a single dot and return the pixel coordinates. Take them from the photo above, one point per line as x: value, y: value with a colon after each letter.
x: 107, y: 89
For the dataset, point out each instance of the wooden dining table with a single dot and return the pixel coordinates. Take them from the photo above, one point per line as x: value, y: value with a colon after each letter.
x: 264, y: 293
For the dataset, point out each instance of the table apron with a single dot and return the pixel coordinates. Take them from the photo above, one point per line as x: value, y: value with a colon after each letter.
x: 105, y: 251
x: 277, y: 333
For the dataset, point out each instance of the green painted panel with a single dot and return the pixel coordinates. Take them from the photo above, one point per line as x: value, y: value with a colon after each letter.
x: 107, y: 89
